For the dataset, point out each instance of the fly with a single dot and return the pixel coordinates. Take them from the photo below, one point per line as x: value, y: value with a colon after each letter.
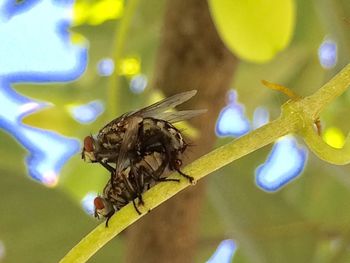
x: 140, y: 132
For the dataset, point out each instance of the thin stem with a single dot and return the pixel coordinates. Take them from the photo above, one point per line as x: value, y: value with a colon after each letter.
x: 318, y: 101
x: 291, y: 94
x: 324, y: 151
x: 310, y: 108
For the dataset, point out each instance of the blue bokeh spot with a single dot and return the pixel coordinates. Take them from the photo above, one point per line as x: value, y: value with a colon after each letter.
x: 88, y: 113
x: 231, y: 120
x: 285, y: 162
x: 88, y: 203
x: 327, y: 54
x: 105, y: 67
x: 2, y: 250
x: 224, y: 253
x: 138, y: 83
x: 261, y: 117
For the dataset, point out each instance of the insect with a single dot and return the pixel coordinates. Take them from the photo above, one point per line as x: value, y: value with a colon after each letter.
x: 137, y: 148
x: 137, y: 133
x: 130, y: 183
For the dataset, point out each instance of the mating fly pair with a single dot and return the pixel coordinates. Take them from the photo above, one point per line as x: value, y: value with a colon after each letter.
x: 138, y: 148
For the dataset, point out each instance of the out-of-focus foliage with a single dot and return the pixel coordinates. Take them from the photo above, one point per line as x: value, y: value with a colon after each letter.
x: 334, y: 137
x: 254, y: 30
x: 97, y: 12
x: 56, y: 223
x: 224, y: 252
x: 306, y: 221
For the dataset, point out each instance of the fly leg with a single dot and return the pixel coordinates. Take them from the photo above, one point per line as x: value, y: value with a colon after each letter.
x: 137, y: 210
x: 110, y: 169
x: 107, y: 166
x: 161, y: 179
x: 156, y: 176
x: 176, y: 164
x: 141, y: 202
x: 190, y: 178
x: 108, y: 216
x: 172, y: 155
x: 138, y: 178
x: 160, y: 171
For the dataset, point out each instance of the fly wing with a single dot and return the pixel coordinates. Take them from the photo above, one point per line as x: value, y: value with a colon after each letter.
x: 128, y: 143
x: 155, y: 110
x: 177, y: 116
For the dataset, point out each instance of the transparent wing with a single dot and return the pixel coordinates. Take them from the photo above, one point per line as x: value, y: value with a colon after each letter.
x: 128, y: 143
x: 156, y: 109
x: 178, y: 116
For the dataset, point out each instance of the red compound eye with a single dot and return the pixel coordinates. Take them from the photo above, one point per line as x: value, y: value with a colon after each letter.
x: 88, y: 144
x: 98, y: 202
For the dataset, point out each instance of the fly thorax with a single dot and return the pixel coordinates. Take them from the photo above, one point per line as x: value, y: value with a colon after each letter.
x: 161, y: 124
x: 148, y: 125
x: 176, y: 138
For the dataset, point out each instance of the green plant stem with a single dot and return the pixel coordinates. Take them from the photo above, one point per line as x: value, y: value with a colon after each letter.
x: 310, y: 108
x: 119, y: 42
x: 158, y: 194
x: 323, y: 150
x: 317, y: 102
x: 297, y: 116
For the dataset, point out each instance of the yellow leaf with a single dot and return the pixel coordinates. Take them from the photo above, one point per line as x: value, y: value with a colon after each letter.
x: 105, y: 10
x: 254, y: 30
x: 80, y: 13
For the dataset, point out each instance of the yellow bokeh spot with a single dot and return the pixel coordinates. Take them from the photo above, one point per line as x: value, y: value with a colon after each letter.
x: 334, y: 137
x: 77, y: 38
x: 97, y: 12
x: 80, y: 13
x: 69, y: 107
x: 129, y: 66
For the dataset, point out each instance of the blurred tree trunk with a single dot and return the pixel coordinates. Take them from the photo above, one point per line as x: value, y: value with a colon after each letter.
x: 191, y: 56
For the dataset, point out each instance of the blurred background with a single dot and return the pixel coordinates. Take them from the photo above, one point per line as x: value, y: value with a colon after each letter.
x: 69, y: 67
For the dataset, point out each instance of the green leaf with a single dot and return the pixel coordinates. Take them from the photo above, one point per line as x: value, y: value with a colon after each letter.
x: 254, y: 30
